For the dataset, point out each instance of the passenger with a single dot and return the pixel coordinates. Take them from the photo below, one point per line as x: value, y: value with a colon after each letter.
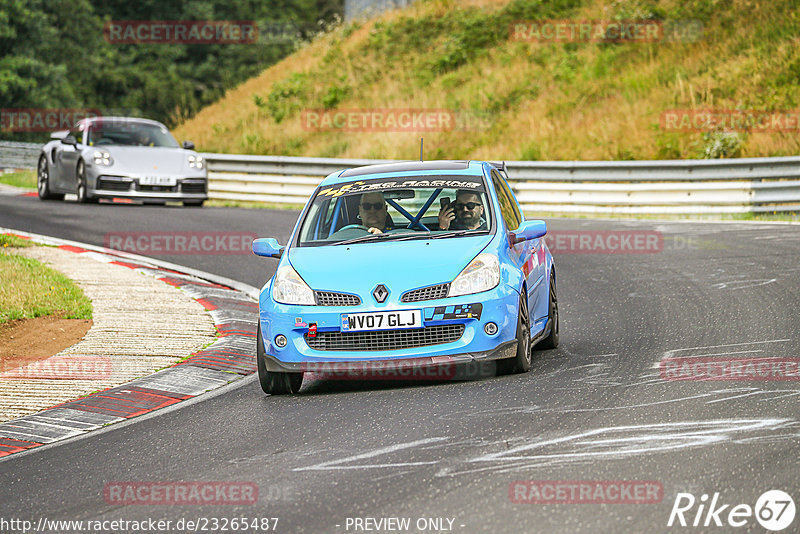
x: 466, y: 213
x: 372, y: 211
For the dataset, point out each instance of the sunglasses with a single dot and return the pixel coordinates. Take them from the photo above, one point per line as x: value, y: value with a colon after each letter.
x: 458, y: 206
x: 372, y: 205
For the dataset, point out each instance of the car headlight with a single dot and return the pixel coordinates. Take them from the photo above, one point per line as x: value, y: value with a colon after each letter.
x: 482, y: 274
x: 102, y: 158
x: 289, y: 288
x: 196, y: 162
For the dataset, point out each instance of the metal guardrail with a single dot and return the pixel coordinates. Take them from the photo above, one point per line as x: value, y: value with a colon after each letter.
x: 591, y: 187
x: 18, y: 155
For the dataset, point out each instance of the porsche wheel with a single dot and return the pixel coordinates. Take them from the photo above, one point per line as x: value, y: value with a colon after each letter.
x: 43, y: 181
x: 82, y: 191
x: 275, y: 383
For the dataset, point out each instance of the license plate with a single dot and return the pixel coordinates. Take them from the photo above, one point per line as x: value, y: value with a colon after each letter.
x: 157, y: 180
x: 389, y: 320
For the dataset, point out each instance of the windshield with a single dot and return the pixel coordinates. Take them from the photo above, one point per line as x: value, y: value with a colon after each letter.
x: 380, y: 209
x: 130, y: 133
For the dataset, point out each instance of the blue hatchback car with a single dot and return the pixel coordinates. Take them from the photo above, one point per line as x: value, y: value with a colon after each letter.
x: 407, y: 265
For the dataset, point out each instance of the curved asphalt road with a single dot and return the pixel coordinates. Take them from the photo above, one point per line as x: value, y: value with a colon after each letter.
x: 594, y: 409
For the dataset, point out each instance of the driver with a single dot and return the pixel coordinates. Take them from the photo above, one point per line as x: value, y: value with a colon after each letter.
x: 467, y: 211
x: 142, y: 138
x: 372, y: 212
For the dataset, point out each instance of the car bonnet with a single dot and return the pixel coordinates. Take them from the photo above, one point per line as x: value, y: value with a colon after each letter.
x: 399, y: 265
x: 150, y: 160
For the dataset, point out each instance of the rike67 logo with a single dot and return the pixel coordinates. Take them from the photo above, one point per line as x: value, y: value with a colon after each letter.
x: 774, y: 510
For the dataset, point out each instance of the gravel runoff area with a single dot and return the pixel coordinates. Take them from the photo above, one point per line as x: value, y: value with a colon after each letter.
x: 141, y: 324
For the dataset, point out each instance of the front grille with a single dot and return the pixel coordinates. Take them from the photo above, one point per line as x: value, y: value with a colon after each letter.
x: 108, y: 184
x: 193, y: 187
x: 426, y: 293
x: 331, y: 298
x: 386, y: 339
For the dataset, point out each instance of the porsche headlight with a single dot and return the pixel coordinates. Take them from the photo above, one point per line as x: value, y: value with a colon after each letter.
x: 196, y: 162
x: 289, y: 288
x: 482, y: 274
x: 102, y: 158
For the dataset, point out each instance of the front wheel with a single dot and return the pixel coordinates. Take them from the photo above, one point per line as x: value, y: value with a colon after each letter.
x: 274, y: 383
x: 82, y: 191
x: 551, y: 341
x: 521, y: 363
x: 43, y: 181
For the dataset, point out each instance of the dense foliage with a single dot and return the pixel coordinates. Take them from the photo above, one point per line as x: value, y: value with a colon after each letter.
x: 53, y: 54
x: 517, y: 98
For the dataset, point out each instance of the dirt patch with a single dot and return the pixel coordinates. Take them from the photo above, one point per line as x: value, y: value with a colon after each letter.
x: 26, y: 340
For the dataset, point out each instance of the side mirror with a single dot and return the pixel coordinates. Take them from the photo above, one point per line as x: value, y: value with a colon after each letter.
x: 530, y: 230
x: 188, y: 145
x: 267, y: 246
x: 69, y: 140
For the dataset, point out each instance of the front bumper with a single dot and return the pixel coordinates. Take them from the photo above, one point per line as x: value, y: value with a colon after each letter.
x: 403, y: 366
x: 186, y: 188
x: 498, y: 306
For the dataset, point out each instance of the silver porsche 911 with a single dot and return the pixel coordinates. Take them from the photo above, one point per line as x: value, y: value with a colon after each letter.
x: 121, y: 157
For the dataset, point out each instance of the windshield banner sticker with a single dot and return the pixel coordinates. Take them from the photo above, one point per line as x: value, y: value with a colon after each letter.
x: 363, y: 186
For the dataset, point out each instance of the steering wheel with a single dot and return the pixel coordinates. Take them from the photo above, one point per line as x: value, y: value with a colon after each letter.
x: 349, y: 226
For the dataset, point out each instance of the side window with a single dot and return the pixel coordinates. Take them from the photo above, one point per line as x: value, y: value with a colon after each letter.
x: 508, y: 207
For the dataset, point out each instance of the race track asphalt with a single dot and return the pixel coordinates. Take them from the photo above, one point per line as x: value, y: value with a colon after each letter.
x: 595, y: 409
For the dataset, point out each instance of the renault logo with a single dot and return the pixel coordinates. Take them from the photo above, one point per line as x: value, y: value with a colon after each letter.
x: 380, y: 293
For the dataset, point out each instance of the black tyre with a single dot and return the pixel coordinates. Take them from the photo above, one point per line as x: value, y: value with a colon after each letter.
x: 551, y: 341
x: 43, y: 181
x: 521, y: 363
x: 275, y: 383
x: 193, y: 203
x: 82, y: 191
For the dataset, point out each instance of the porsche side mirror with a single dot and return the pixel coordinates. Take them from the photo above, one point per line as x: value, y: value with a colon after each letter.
x: 188, y: 145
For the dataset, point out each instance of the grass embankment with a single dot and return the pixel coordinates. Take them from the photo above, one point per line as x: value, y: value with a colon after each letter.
x: 29, y: 289
x: 525, y: 100
x: 23, y: 179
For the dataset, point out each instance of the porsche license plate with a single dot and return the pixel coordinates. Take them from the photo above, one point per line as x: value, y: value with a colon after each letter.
x: 157, y: 180
x: 388, y: 320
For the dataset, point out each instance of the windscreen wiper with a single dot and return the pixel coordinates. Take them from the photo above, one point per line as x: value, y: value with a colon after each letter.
x: 455, y: 233
x: 376, y: 237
